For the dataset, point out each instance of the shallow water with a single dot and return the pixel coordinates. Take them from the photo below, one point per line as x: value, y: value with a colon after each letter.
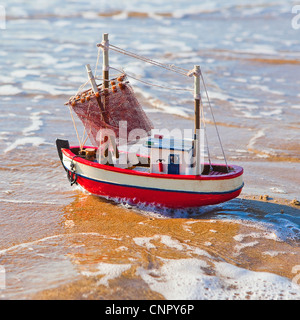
x: 57, y: 242
x: 95, y: 249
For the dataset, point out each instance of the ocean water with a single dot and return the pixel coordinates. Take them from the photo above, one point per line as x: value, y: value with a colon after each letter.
x: 58, y: 242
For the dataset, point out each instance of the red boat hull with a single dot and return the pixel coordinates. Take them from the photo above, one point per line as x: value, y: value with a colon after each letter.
x: 155, y: 197
x: 163, y: 190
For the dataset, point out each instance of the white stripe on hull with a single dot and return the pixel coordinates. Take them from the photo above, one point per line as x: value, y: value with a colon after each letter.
x: 142, y: 181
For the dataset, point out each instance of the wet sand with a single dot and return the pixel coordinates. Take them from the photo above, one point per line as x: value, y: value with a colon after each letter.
x: 138, y: 246
x: 65, y: 244
x: 60, y: 243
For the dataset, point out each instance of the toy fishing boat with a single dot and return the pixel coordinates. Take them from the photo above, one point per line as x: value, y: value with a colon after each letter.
x: 127, y: 162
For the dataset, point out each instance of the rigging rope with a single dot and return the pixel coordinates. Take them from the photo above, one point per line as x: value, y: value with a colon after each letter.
x: 98, y: 57
x: 75, y: 126
x: 173, y: 68
x: 205, y: 133
x: 170, y: 67
x: 214, y: 120
x: 148, y: 83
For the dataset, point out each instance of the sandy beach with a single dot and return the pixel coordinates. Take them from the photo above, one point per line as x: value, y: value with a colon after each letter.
x: 144, y: 257
x: 58, y: 242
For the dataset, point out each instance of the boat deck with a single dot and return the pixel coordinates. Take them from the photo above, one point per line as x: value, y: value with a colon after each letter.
x: 214, y: 170
x: 144, y: 165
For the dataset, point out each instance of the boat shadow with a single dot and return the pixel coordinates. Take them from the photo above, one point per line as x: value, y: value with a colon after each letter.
x: 238, y: 208
x: 113, y: 225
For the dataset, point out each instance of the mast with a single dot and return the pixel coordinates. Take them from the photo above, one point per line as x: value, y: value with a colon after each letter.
x: 105, y: 46
x: 104, y: 98
x: 105, y: 73
x: 197, y: 73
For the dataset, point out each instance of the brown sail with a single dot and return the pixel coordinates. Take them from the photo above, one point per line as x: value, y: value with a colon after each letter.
x: 110, y: 108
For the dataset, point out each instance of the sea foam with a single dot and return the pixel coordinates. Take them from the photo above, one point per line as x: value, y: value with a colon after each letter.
x: 187, y: 279
x: 34, y: 141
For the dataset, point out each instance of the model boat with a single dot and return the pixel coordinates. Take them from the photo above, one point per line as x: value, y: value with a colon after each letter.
x: 127, y: 162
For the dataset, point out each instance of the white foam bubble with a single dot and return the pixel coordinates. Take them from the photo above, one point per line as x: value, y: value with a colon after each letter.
x: 256, y: 235
x: 108, y: 270
x: 273, y: 253
x: 264, y: 89
x: 247, y: 114
x: 144, y: 242
x: 272, y: 112
x: 38, y: 86
x: 28, y: 245
x: 25, y: 201
x: 260, y: 49
x: 67, y: 65
x: 30, y: 36
x: 9, y: 90
x: 22, y: 73
x: 277, y: 190
x: 242, y: 246
x: 43, y: 58
x: 243, y: 80
x: 61, y: 24
x: 169, y: 108
x: 219, y: 95
x: 170, y: 243
x: 257, y: 285
x: 34, y: 141
x: 186, y: 279
x: 166, y: 240
x: 162, y: 107
x: 90, y: 15
x: 253, y: 140
x: 121, y: 16
x: 36, y: 122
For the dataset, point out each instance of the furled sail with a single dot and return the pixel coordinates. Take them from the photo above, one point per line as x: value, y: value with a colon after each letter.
x: 110, y: 108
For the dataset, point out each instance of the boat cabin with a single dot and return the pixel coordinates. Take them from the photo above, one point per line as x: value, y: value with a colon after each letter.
x: 170, y: 156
